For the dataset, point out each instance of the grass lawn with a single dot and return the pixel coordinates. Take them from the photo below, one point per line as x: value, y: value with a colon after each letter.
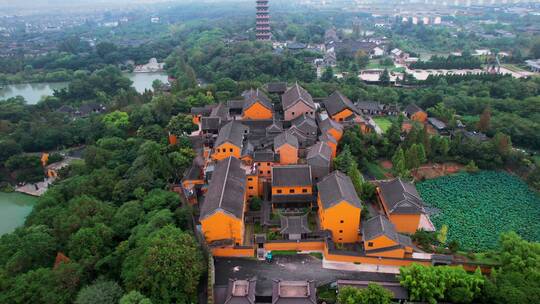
x: 383, y: 122
x: 375, y: 170
x: 317, y: 255
x: 478, y: 207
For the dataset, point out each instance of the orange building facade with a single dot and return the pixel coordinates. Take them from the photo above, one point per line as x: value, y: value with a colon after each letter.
x: 257, y: 112
x: 225, y: 150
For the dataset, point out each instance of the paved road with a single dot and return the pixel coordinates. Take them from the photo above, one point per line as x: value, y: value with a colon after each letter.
x: 294, y: 267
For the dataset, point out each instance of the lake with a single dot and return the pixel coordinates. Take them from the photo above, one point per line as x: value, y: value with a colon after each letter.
x: 14, y: 207
x: 33, y: 92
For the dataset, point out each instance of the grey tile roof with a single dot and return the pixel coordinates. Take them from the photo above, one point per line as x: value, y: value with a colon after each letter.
x: 338, y: 102
x: 369, y: 106
x: 293, y: 292
x: 294, y: 224
x: 210, y: 123
x: 305, y: 124
x: 236, y: 104
x: 241, y: 292
x: 411, y: 109
x: 328, y: 124
x: 285, y: 138
x: 378, y: 226
x: 291, y: 175
x: 248, y: 149
x: 220, y: 110
x: 335, y: 188
x: 296, y: 94
x: 233, y: 132
x: 439, y: 125
x: 275, y: 127
x: 206, y: 110
x: 264, y: 156
x: 401, y: 197
x: 326, y: 138
x: 226, y: 189
x: 276, y: 87
x: 252, y: 96
x: 319, y: 154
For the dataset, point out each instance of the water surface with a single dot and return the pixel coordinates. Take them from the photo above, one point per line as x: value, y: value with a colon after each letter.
x: 14, y: 207
x: 33, y: 92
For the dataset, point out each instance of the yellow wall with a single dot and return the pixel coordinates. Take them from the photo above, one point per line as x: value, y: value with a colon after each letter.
x: 335, y: 134
x: 286, y: 190
x: 257, y: 112
x: 233, y: 252
x: 333, y: 217
x: 371, y: 260
x: 221, y: 226
x: 225, y: 150
x: 419, y: 116
x: 264, y: 169
x: 405, y: 223
x: 396, y: 253
x: 333, y: 146
x: 252, y: 186
x: 339, y: 117
x: 379, y: 242
x: 288, y: 155
x: 299, y: 246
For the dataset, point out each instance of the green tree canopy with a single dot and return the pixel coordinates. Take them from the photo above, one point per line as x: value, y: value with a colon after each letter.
x: 166, y: 266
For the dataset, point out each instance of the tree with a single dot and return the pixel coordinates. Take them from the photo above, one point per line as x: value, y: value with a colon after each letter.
x: 442, y: 234
x: 134, y: 297
x: 535, y: 50
x: 516, y: 280
x: 166, y: 266
x: 344, y: 161
x: 9, y: 148
x: 181, y: 124
x: 384, y: 79
x: 116, y: 119
x: 89, y: 245
x: 373, y: 294
x: 27, y: 248
x: 432, y: 284
x: 328, y: 74
x: 412, y: 159
x: 398, y: 163
x: 471, y: 167
x: 105, y: 48
x: 485, y: 120
x: 361, y: 58
x: 101, y: 291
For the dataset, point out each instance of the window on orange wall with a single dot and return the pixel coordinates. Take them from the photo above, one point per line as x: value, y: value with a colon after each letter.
x: 342, y: 221
x: 250, y: 179
x: 341, y: 231
x: 279, y: 191
x: 230, y: 150
x: 250, y: 187
x: 370, y: 244
x: 291, y: 190
x: 304, y: 190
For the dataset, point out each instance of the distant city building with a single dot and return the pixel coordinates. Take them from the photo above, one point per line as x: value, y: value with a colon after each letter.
x: 263, y: 21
